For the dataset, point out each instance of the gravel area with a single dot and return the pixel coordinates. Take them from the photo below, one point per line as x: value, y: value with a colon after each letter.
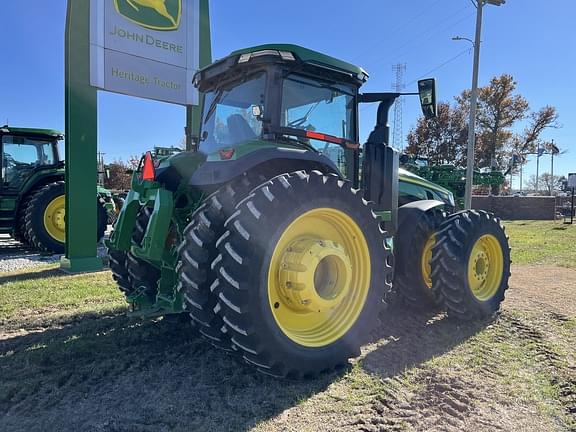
x: 15, y: 256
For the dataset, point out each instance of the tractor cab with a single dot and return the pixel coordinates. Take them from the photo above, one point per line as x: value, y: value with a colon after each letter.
x: 284, y: 97
x: 25, y: 152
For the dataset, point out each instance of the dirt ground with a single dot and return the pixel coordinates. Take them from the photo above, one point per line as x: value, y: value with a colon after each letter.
x: 424, y: 372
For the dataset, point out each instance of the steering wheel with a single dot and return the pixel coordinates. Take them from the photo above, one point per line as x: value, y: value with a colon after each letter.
x: 298, y: 123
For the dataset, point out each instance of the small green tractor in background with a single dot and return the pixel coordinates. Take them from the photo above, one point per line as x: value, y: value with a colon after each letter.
x: 272, y: 236
x: 451, y: 177
x: 32, y: 189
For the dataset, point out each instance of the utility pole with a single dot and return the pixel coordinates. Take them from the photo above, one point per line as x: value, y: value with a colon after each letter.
x: 538, y: 167
x: 398, y: 86
x: 473, y: 102
x: 101, y: 169
x: 474, y: 98
x: 552, y: 166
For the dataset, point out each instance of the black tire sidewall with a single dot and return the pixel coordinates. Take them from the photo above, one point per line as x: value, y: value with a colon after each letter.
x: 488, y: 228
x: 299, y: 357
x: 37, y: 208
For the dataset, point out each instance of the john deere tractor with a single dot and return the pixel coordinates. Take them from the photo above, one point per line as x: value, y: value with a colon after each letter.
x: 275, y: 240
x: 32, y: 189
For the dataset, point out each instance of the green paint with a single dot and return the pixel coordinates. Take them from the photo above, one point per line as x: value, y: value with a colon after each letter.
x: 194, y: 113
x: 81, y: 143
x: 409, y: 177
x: 49, y: 133
x: 243, y: 149
x: 308, y: 56
x: 385, y: 216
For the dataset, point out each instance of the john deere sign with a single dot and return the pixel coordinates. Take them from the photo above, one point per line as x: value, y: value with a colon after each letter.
x: 145, y: 48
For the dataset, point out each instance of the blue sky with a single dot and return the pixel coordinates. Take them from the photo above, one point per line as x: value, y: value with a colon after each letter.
x: 532, y: 40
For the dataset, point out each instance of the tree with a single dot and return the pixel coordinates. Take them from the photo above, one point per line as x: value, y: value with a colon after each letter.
x: 118, y: 177
x: 498, y: 109
x: 529, y: 139
x: 546, y: 182
x: 442, y: 139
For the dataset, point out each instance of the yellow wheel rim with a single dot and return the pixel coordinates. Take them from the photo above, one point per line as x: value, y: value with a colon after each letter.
x: 425, y: 266
x: 319, y: 277
x: 54, y: 219
x: 485, y: 267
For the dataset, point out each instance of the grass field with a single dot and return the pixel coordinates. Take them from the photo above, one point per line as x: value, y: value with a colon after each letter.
x: 542, y: 242
x: 71, y: 360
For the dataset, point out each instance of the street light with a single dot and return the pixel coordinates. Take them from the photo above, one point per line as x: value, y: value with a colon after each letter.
x: 474, y: 97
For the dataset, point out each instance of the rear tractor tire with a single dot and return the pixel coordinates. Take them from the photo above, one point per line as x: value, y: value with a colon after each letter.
x: 412, y: 278
x: 129, y: 272
x: 198, y: 282
x: 45, y: 218
x: 471, y: 264
x: 20, y: 225
x: 303, y: 274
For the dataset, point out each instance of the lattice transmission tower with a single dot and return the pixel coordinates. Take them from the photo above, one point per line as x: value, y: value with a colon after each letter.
x: 398, y: 86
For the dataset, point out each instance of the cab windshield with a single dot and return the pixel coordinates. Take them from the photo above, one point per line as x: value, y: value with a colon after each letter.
x: 228, y: 119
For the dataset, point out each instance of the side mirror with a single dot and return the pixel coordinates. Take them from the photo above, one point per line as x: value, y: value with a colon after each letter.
x: 427, y: 93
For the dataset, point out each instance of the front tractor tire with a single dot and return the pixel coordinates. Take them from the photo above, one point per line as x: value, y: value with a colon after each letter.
x: 303, y: 271
x: 45, y: 218
x: 471, y: 264
x: 412, y: 277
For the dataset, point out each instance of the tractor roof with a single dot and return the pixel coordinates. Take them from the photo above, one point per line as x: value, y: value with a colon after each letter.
x: 307, y: 56
x: 285, y: 53
x: 32, y: 131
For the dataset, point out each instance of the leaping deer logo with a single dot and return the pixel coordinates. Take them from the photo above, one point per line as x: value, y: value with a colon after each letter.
x: 158, y: 5
x: 152, y: 14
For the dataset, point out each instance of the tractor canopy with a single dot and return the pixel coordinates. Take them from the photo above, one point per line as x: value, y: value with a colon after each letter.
x: 41, y: 133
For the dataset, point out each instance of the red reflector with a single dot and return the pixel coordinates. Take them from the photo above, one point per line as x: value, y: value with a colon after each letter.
x: 226, y: 154
x: 148, y: 171
x: 324, y: 137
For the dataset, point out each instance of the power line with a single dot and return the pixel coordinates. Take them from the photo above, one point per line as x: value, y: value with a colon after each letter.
x: 427, y: 33
x: 398, y: 28
x: 441, y: 65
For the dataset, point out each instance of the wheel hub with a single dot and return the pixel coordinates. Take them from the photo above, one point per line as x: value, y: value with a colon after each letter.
x: 55, y: 218
x: 481, y: 266
x: 314, y: 275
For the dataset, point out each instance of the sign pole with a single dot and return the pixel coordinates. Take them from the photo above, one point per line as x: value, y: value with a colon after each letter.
x: 81, y: 144
x: 572, y: 209
x: 193, y: 112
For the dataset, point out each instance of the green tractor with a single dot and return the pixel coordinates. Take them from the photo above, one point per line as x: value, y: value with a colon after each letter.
x: 279, y: 244
x: 451, y: 177
x: 32, y: 189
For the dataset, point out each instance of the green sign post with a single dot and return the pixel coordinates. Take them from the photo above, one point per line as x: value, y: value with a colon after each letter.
x: 81, y: 120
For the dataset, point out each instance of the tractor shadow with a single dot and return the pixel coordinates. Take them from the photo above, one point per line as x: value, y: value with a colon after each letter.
x: 32, y: 275
x: 109, y: 372
x: 408, y: 338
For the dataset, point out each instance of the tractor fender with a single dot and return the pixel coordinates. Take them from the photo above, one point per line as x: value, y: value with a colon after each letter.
x: 38, y: 181
x: 409, y: 216
x: 272, y: 160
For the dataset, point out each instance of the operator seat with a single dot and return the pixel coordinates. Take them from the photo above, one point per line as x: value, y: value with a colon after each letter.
x: 239, y: 129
